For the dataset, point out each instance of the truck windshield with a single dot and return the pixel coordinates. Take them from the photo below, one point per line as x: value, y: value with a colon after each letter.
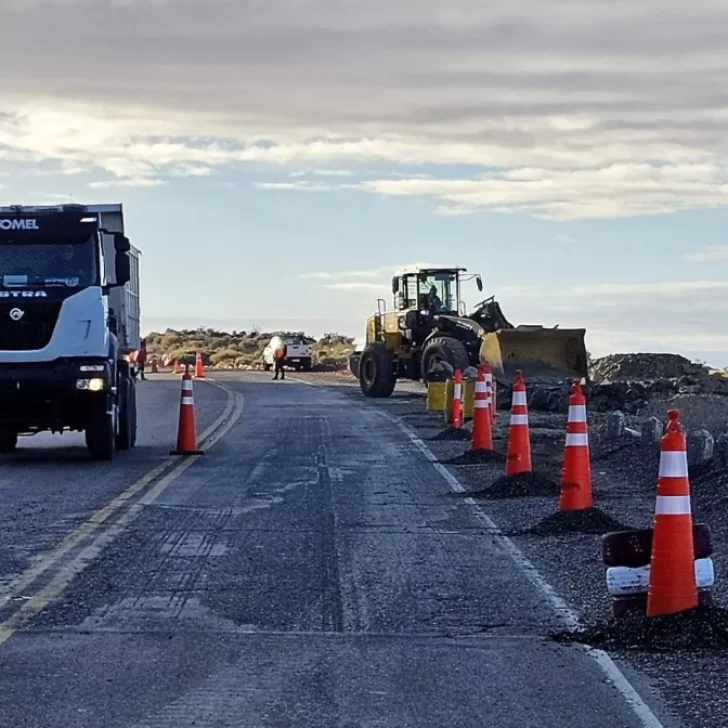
x: 70, y: 263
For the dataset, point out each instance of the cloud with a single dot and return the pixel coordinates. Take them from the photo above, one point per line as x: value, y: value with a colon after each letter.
x: 301, y: 186
x: 708, y: 254
x: 323, y: 173
x: 610, y: 104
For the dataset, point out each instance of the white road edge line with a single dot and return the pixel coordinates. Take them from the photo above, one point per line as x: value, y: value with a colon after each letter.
x: 568, y: 616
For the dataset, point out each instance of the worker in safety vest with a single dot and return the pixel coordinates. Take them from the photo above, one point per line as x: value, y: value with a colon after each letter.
x: 279, y: 359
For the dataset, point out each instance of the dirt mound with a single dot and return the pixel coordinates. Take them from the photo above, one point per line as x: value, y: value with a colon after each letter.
x: 644, y: 367
x: 705, y: 627
x: 590, y: 520
x: 452, y: 434
x: 475, y: 458
x: 520, y: 486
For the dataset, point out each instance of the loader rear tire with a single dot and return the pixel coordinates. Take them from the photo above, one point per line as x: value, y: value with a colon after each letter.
x: 444, y: 349
x: 376, y: 372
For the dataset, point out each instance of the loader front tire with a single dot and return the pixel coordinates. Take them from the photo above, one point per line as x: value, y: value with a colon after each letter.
x: 376, y: 372
x: 444, y: 349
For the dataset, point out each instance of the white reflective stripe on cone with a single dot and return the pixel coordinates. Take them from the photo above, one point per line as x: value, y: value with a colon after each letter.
x: 577, y: 439
x: 674, y: 464
x: 623, y: 581
x: 480, y: 387
x: 672, y: 505
x: 480, y: 404
x: 188, y: 400
x: 577, y: 413
x: 519, y: 398
x: 458, y: 391
x: 519, y: 419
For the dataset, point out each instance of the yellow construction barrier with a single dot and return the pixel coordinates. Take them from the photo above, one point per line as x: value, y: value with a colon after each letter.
x: 468, y: 398
x: 437, y: 397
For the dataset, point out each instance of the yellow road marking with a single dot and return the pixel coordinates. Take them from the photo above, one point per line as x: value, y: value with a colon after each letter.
x: 52, y: 557
x: 40, y: 600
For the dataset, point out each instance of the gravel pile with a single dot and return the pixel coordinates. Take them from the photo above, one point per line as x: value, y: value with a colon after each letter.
x: 589, y: 520
x: 705, y: 627
x: 475, y: 458
x: 644, y: 367
x: 452, y: 434
x: 524, y: 485
x: 628, y: 382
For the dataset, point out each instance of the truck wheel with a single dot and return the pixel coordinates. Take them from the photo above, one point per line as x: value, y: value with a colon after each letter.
x: 8, y: 441
x: 124, y: 434
x: 444, y: 349
x: 376, y: 373
x: 306, y: 365
x: 101, y: 432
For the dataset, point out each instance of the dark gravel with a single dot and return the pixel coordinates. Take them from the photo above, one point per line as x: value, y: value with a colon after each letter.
x: 475, y: 458
x: 452, y: 434
x: 525, y: 485
x: 590, y: 520
x: 705, y: 627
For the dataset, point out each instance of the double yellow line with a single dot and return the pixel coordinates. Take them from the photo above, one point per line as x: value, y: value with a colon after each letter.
x: 100, y: 529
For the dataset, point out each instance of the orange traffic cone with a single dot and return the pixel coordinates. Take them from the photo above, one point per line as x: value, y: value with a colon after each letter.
x: 187, y: 433
x: 199, y: 368
x: 482, y: 430
x: 456, y: 413
x: 176, y: 368
x: 672, y: 586
x: 576, y: 489
x: 519, y: 435
x: 490, y: 383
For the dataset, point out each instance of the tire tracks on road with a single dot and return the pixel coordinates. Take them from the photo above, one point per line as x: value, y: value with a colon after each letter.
x: 80, y: 548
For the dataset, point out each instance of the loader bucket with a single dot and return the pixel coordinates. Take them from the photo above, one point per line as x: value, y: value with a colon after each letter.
x: 543, y: 355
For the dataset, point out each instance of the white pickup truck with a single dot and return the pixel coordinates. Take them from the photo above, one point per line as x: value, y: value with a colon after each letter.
x: 299, y: 353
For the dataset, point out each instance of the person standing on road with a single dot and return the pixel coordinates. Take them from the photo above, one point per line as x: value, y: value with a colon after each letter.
x: 279, y: 359
x: 141, y: 358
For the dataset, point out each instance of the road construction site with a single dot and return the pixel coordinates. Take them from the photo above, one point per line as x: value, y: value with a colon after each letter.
x: 328, y: 562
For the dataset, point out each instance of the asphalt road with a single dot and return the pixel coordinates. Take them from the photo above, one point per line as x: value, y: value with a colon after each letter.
x: 312, y: 569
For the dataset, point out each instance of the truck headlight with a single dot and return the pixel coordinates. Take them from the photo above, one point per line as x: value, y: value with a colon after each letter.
x: 91, y: 385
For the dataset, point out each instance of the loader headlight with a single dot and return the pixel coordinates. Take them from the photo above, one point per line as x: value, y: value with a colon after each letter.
x: 91, y: 385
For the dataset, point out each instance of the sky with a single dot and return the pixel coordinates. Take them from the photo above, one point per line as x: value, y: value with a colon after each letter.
x: 279, y: 159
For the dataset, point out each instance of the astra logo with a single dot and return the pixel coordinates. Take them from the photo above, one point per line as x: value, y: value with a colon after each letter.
x: 19, y: 225
x: 23, y: 294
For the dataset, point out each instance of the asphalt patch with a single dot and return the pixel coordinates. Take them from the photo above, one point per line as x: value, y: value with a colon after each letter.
x: 588, y: 520
x: 451, y: 434
x: 702, y: 628
x: 525, y: 485
x: 480, y: 457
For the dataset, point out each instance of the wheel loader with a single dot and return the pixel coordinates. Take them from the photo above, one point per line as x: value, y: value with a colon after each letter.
x: 428, y: 325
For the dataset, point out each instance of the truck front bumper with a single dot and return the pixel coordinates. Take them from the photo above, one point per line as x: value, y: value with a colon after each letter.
x: 51, y: 395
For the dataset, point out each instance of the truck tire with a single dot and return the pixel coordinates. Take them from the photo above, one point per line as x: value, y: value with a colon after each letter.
x: 101, y: 432
x: 444, y: 349
x: 8, y: 441
x: 124, y: 434
x: 306, y: 365
x: 376, y: 374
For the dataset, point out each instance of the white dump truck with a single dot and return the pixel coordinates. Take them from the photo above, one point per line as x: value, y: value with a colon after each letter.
x: 69, y: 318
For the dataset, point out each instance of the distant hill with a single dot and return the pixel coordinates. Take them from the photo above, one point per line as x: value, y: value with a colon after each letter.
x: 242, y: 349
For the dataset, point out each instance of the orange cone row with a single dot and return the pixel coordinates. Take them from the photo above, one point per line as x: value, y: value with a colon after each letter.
x: 482, y: 425
x: 576, y: 489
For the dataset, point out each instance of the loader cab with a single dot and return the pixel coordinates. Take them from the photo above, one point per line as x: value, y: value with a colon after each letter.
x: 428, y: 291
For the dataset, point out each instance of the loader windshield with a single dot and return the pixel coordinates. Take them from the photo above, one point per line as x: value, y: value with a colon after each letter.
x: 440, y: 290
